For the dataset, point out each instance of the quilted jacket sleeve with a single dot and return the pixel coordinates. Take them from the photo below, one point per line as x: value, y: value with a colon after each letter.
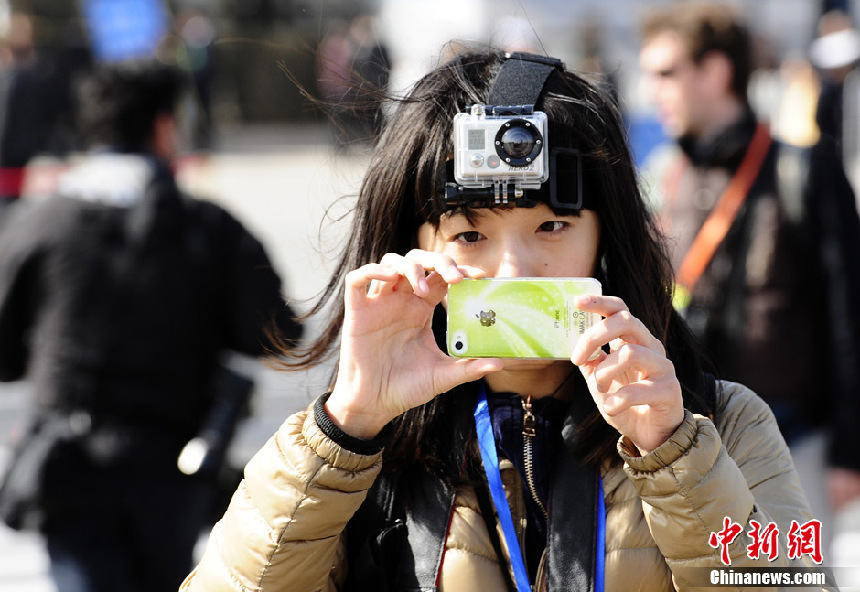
x: 740, y: 469
x: 282, y: 531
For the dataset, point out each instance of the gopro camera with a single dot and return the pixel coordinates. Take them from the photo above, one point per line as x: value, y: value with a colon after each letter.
x: 501, y: 147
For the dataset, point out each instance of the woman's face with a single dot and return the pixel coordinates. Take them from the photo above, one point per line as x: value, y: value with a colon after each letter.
x: 519, y: 242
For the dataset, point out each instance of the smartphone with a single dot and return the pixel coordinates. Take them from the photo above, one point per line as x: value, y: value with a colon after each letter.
x: 517, y: 317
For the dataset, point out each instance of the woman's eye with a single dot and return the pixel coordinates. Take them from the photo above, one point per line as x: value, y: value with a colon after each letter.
x: 472, y: 236
x: 553, y: 226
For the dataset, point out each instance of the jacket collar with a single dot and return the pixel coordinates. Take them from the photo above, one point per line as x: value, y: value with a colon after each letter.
x: 724, y: 149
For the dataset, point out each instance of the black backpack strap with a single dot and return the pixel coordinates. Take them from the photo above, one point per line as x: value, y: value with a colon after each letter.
x: 396, y: 548
x: 710, y: 394
x: 572, y: 528
x: 374, y: 537
x: 396, y: 540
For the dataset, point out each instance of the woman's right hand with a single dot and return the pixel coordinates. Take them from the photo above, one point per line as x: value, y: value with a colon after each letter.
x: 389, y: 360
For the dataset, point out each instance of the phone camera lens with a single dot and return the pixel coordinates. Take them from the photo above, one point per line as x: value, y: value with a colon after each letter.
x: 459, y: 343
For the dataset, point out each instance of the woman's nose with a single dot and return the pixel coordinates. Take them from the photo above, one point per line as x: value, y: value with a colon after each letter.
x: 514, y: 263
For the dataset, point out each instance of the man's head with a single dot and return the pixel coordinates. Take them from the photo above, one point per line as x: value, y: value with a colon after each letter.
x: 130, y: 106
x: 836, y: 51
x: 697, y: 57
x: 20, y: 39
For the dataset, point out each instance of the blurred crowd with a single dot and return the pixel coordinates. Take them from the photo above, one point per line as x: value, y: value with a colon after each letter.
x: 348, y: 63
x: 802, y: 98
x: 39, y: 73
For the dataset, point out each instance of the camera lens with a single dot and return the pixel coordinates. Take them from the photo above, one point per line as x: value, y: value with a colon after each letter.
x: 458, y: 346
x: 518, y: 142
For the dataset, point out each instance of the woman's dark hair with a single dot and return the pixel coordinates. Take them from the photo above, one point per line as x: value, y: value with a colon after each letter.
x: 118, y: 102
x: 407, y: 173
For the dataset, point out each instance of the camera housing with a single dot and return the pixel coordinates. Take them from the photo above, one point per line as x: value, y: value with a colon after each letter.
x: 502, y: 147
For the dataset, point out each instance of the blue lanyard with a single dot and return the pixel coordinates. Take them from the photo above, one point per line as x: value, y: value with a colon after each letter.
x: 490, y: 458
x: 600, y: 560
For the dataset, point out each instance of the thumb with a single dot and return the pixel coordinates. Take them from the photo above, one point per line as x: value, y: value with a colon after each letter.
x: 466, y: 370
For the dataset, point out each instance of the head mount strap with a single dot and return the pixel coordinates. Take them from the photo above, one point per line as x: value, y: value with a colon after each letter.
x: 520, y: 80
x: 563, y: 191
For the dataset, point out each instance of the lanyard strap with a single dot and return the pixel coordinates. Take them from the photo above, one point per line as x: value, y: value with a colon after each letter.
x: 487, y: 444
x: 490, y: 459
x: 600, y: 559
x: 721, y: 218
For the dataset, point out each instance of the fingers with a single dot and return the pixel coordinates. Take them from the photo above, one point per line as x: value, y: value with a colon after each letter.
x: 424, y: 273
x: 356, y: 281
x: 619, y: 327
x: 417, y: 264
x: 634, y: 385
x: 630, y: 361
x: 633, y: 365
x: 420, y: 269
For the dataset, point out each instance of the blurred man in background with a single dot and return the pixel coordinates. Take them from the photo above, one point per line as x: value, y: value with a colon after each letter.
x: 118, y: 296
x: 765, y: 241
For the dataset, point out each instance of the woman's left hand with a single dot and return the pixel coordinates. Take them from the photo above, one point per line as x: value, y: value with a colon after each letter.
x: 634, y: 386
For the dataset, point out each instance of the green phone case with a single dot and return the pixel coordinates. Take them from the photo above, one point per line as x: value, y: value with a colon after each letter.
x: 517, y: 317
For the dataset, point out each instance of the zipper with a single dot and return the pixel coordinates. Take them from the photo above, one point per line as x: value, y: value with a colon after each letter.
x: 528, y: 439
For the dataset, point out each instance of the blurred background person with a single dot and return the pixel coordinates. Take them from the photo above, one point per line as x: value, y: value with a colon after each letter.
x: 196, y: 33
x: 835, y: 53
x: 35, y: 103
x: 595, y: 63
x: 334, y: 69
x: 118, y: 297
x: 353, y: 67
x: 766, y: 258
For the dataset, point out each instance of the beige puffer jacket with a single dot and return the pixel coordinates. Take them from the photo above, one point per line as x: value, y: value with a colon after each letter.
x: 283, y: 529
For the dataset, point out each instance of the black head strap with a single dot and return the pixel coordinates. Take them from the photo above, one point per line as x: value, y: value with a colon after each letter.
x: 521, y: 78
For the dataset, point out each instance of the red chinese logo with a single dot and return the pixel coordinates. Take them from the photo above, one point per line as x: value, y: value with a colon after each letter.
x: 803, y: 539
x: 763, y: 541
x: 724, y: 538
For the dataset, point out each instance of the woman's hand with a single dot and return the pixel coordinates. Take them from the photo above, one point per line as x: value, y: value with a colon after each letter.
x: 389, y: 360
x: 634, y: 386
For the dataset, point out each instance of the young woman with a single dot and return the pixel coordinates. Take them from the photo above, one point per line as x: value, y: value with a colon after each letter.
x: 388, y: 482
